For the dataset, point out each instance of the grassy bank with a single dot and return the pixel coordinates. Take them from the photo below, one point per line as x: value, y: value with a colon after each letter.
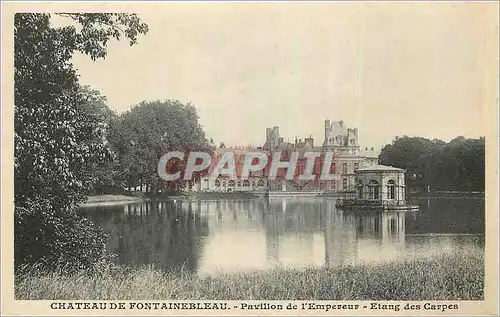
x: 437, y: 278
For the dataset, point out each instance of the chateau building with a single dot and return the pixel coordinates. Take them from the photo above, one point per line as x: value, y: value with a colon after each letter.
x: 380, y: 182
x: 342, y: 141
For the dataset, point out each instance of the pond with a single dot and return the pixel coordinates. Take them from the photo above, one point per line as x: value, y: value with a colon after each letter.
x: 234, y: 235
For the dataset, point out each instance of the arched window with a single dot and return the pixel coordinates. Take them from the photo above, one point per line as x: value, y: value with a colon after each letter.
x: 230, y: 183
x: 373, y: 187
x: 217, y: 183
x: 339, y: 139
x: 246, y: 183
x: 260, y: 183
x: 391, y: 189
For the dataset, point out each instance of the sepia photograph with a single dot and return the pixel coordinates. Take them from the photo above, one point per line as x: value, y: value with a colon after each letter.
x: 250, y: 157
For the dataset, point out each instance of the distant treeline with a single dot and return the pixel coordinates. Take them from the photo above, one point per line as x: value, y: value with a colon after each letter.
x: 454, y: 166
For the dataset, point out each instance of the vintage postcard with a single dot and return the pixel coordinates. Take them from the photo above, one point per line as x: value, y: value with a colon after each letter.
x: 250, y: 158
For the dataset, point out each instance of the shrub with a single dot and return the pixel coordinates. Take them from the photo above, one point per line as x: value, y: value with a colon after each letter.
x: 59, y: 238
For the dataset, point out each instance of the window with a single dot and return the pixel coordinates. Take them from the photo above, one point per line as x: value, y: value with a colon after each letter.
x: 246, y: 183
x: 223, y: 184
x: 373, y: 189
x: 332, y: 185
x: 217, y: 183
x: 260, y: 183
x: 356, y: 166
x: 239, y: 183
x: 344, y: 183
x: 332, y: 168
x: 253, y: 184
x: 344, y: 168
x: 391, y: 189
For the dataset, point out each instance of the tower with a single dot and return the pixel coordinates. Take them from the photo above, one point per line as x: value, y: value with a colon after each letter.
x: 327, y: 131
x: 268, y: 135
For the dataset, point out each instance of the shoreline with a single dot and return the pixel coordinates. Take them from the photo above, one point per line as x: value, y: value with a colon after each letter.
x: 110, y: 200
x: 120, y: 199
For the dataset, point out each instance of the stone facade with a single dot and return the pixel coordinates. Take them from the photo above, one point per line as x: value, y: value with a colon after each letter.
x: 348, y: 158
x: 340, y: 138
x: 379, y: 182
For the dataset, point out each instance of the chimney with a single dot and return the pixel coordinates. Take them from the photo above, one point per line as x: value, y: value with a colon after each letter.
x: 276, y: 132
x: 268, y: 134
x: 327, y: 130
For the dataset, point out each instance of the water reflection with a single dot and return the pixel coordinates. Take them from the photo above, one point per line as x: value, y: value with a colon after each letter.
x: 158, y: 233
x: 231, y: 235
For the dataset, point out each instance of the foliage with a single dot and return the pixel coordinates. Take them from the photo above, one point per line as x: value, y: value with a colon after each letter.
x: 458, y: 165
x: 98, y: 28
x: 59, y: 136
x: 148, y: 131
x: 104, y: 174
x: 57, y: 238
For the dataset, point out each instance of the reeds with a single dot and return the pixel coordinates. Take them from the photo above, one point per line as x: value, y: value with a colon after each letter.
x: 446, y: 277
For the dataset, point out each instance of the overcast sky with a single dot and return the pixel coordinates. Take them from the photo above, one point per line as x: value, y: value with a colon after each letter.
x: 420, y: 69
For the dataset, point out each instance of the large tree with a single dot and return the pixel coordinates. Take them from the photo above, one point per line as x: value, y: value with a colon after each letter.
x: 104, y: 175
x: 148, y: 131
x: 59, y: 137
